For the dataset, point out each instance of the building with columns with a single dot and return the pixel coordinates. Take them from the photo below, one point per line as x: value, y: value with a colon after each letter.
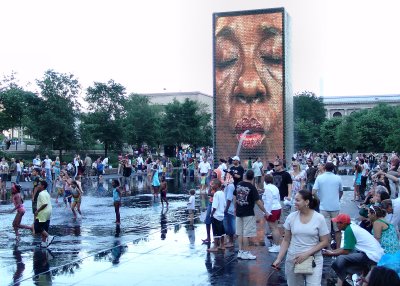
x: 167, y: 97
x: 338, y: 106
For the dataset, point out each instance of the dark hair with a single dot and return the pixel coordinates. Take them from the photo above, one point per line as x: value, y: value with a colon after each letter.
x: 386, y: 204
x: 383, y: 194
x: 116, y: 182
x: 217, y: 183
x: 192, y: 192
x: 382, y: 276
x: 43, y: 183
x: 329, y: 167
x: 313, y: 200
x: 269, y: 179
x: 249, y: 175
x: 379, y: 211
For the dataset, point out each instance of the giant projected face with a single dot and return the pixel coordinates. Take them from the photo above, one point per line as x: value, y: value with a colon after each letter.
x: 248, y: 69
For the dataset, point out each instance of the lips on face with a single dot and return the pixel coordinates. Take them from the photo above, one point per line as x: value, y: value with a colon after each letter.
x: 248, y: 76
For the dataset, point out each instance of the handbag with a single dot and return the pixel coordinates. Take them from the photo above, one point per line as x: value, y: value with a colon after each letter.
x: 306, y: 267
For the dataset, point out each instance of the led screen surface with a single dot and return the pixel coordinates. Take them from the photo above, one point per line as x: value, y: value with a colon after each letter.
x: 249, y: 65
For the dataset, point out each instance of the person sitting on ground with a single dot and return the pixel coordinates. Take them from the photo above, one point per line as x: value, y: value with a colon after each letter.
x: 381, y: 276
x: 360, y: 251
x: 383, y: 231
x: 392, y: 208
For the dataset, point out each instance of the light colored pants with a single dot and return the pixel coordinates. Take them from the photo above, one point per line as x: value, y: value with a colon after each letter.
x: 301, y: 279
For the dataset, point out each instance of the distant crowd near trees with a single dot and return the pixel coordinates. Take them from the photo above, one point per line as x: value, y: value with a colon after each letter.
x: 61, y: 116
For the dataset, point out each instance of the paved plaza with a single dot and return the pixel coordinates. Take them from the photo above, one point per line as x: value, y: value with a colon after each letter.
x: 153, y: 246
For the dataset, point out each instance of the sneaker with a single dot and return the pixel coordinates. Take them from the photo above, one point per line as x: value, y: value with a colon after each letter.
x: 43, y: 244
x: 248, y: 256
x: 274, y: 249
x: 239, y: 256
x: 49, y: 239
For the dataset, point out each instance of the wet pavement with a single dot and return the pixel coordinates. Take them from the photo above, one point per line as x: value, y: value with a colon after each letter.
x: 153, y: 245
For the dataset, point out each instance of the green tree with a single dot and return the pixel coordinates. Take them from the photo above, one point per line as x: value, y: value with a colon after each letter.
x: 14, y: 102
x: 309, y: 114
x: 142, y: 121
x: 53, y: 114
x: 347, y: 134
x: 186, y: 122
x: 328, y: 135
x: 106, y: 113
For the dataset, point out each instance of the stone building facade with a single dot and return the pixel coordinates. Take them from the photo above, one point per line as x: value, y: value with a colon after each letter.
x: 338, y: 106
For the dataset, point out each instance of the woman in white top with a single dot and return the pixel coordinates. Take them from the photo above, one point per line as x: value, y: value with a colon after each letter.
x: 273, y: 207
x: 306, y: 233
x: 299, y: 179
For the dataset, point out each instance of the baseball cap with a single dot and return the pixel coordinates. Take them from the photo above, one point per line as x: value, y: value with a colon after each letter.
x: 236, y: 158
x: 342, y: 218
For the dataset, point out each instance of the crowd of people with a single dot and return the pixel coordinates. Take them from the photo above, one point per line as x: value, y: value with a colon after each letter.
x: 301, y: 204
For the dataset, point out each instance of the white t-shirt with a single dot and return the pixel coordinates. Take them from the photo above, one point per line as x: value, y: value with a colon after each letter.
x: 305, y: 236
x: 394, y: 218
x: 204, y: 167
x: 44, y: 199
x: 365, y: 242
x: 271, y: 198
x: 257, y: 168
x: 19, y: 169
x: 222, y: 167
x: 219, y: 204
x: 47, y: 163
x: 37, y: 162
x: 190, y: 205
x: 365, y: 167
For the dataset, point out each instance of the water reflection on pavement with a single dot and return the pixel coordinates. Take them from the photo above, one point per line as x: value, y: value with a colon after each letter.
x: 153, y: 245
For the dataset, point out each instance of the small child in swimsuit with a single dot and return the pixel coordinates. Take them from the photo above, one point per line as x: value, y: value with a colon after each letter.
x: 163, y: 190
x: 19, y: 207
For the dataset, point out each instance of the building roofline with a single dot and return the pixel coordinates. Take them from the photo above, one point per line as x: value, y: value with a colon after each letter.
x: 180, y: 93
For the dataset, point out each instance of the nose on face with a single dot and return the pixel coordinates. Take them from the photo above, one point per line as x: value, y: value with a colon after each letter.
x: 250, y: 87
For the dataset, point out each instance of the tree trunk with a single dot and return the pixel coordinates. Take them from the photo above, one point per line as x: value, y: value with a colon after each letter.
x: 60, y: 154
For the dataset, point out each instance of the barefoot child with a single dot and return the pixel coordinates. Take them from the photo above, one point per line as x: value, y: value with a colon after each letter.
x: 117, y: 200
x: 191, y: 206
x: 163, y: 191
x: 19, y: 207
x: 59, y: 186
x: 217, y: 217
x: 77, y: 198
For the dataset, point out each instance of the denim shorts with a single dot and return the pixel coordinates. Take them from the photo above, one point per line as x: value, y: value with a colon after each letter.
x: 208, y: 214
x: 230, y: 224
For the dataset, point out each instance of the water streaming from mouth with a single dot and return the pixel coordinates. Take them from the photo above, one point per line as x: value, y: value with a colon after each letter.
x: 242, y: 137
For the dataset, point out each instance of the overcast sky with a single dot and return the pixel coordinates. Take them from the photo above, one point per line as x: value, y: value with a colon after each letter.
x: 338, y: 47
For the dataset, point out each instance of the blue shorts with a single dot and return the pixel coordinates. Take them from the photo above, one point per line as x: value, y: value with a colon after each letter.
x: 230, y: 224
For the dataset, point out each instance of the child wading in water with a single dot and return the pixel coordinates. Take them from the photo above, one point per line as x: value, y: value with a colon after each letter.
x: 155, y: 181
x: 163, y: 191
x: 191, y: 206
x: 117, y: 200
x: 77, y: 198
x: 19, y: 207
